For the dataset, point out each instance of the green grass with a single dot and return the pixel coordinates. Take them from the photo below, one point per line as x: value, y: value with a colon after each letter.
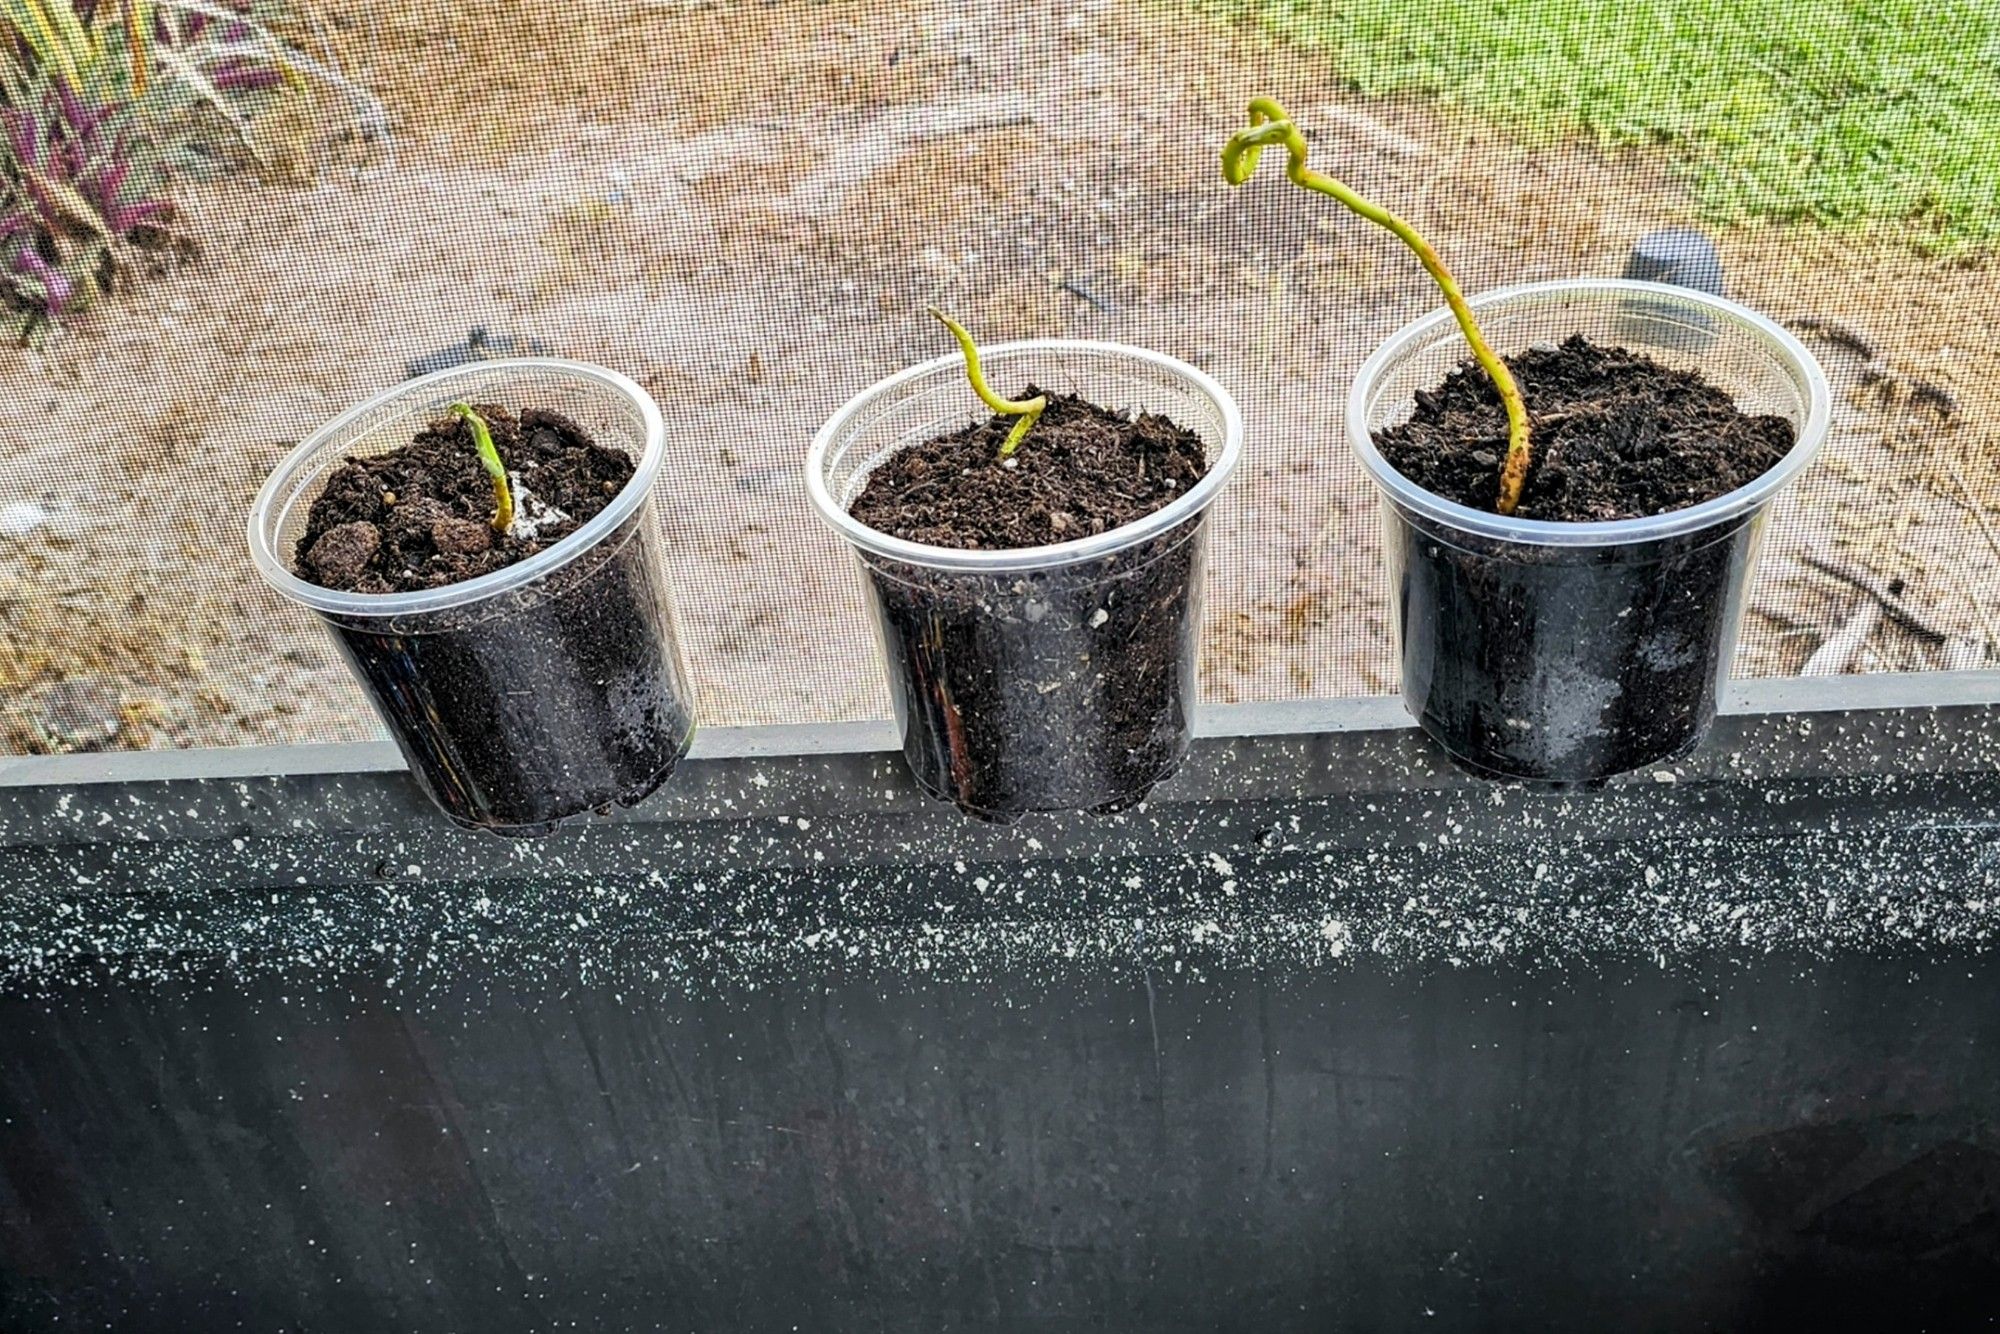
x: 1861, y: 114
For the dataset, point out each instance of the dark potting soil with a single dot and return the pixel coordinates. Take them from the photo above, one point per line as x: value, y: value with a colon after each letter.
x: 1063, y: 688
x: 522, y: 710
x: 1615, y: 435
x: 1569, y: 665
x: 421, y: 516
x: 1081, y: 471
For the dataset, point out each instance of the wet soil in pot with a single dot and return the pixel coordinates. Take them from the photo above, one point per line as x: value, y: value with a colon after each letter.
x: 1063, y: 687
x: 1557, y: 664
x: 521, y: 710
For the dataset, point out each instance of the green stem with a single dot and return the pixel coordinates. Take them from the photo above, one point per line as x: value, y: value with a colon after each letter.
x: 482, y: 439
x: 1028, y: 410
x: 1270, y: 125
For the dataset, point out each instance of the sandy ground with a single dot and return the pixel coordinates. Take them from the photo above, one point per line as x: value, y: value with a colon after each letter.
x: 747, y: 209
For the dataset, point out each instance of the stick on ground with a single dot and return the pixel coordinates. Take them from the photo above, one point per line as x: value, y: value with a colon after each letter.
x: 1888, y: 595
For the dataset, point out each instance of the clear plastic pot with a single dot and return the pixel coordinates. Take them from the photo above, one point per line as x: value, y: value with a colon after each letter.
x: 535, y: 694
x: 1569, y: 652
x: 1044, y: 678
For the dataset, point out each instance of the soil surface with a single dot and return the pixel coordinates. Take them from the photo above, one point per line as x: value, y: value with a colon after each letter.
x: 1615, y: 435
x: 421, y: 516
x: 1081, y: 470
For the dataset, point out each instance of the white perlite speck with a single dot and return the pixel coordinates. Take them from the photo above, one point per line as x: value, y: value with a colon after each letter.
x: 531, y: 512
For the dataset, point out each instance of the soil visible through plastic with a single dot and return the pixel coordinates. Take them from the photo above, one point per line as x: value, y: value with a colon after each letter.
x: 1059, y: 687
x: 1558, y: 664
x: 1615, y: 435
x: 421, y: 516
x: 523, y: 711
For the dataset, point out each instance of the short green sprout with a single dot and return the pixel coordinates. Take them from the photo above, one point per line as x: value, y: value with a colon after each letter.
x: 1270, y: 125
x: 1028, y: 410
x: 482, y: 439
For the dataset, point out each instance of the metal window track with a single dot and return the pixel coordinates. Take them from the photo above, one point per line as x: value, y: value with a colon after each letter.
x: 1322, y: 818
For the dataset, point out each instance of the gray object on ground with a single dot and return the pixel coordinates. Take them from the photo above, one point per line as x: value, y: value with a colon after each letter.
x: 480, y: 345
x: 1685, y: 258
x: 1678, y: 255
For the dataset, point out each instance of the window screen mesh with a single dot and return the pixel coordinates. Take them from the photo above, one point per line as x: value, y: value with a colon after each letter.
x: 746, y: 208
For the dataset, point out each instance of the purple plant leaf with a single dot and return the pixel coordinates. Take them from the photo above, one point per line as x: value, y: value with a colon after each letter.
x: 112, y: 179
x: 134, y: 216
x: 84, y: 175
x: 45, y: 204
x: 23, y: 138
x: 79, y: 117
x: 87, y: 123
x: 57, y: 289
x: 240, y: 76
x: 70, y: 108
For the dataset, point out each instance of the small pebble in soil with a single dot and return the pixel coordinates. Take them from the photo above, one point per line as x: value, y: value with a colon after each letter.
x: 343, y: 552
x: 461, y: 537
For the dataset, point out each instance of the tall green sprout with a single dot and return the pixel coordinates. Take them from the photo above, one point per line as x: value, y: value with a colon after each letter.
x: 1270, y: 125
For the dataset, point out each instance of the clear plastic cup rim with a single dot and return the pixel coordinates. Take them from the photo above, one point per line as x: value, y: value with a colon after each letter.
x: 1804, y: 368
x: 1161, y: 520
x: 280, y: 493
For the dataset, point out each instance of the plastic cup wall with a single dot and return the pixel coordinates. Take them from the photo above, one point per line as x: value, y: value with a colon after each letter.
x: 1757, y: 362
x: 612, y: 410
x: 934, y: 399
